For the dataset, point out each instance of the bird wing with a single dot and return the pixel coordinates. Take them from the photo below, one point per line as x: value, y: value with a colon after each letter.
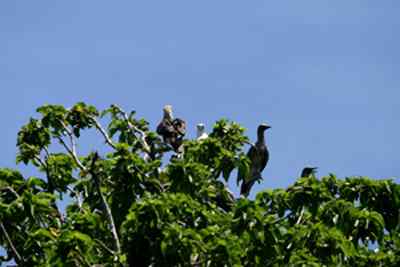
x: 165, y: 128
x: 245, y: 170
x: 258, y: 161
x: 252, y: 153
x: 246, y: 187
x: 264, y: 157
x: 306, y: 172
x: 255, y: 163
x: 179, y: 126
x: 259, y: 157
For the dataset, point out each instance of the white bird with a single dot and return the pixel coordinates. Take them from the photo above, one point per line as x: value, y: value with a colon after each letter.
x: 201, y: 133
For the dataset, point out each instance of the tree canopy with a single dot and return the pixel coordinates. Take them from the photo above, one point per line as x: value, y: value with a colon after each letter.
x: 137, y: 204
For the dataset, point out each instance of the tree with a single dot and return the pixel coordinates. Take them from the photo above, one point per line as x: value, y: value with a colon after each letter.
x: 132, y: 205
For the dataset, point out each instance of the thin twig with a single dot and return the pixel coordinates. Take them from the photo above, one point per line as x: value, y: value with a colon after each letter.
x: 134, y: 129
x: 249, y: 143
x: 73, y: 154
x: 45, y: 165
x: 103, y: 132
x: 40, y: 161
x: 71, y: 150
x: 71, y: 137
x: 47, y: 152
x: 106, y: 206
x: 301, y: 216
x: 112, y: 252
x: 19, y: 258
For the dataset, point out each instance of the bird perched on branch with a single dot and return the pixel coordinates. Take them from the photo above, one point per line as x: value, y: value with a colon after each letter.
x: 308, y: 171
x: 201, y: 132
x: 259, y: 156
x: 172, y: 130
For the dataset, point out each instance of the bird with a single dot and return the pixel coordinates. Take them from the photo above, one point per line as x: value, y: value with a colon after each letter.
x: 201, y: 133
x: 308, y: 171
x: 259, y: 156
x: 172, y: 129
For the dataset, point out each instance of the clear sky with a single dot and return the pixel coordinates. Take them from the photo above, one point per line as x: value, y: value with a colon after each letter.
x: 324, y: 74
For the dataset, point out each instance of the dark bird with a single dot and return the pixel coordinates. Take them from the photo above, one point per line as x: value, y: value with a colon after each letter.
x: 308, y: 171
x: 259, y: 156
x: 172, y: 130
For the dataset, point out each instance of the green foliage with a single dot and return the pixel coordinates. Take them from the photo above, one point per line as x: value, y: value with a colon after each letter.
x: 135, y: 206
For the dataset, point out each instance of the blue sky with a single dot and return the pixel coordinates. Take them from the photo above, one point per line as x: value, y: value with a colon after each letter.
x: 324, y: 74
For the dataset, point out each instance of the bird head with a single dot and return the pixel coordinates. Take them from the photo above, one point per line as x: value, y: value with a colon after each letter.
x: 200, y: 127
x: 307, y: 171
x: 313, y: 169
x: 263, y: 126
x: 168, y: 111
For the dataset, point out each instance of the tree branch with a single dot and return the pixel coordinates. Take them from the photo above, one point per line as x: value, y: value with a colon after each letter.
x: 106, y: 206
x: 103, y: 132
x: 47, y: 152
x: 301, y: 216
x: 104, y: 246
x: 71, y: 150
x: 134, y: 129
x: 72, y: 153
x: 19, y: 258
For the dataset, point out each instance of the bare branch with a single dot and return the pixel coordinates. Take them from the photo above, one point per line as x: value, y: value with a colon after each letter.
x: 71, y: 150
x: 106, y: 206
x: 301, y: 216
x: 19, y: 258
x: 41, y: 162
x: 72, y: 153
x: 249, y: 143
x: 103, y: 132
x: 47, y: 152
x: 71, y: 137
x: 104, y: 246
x: 134, y: 129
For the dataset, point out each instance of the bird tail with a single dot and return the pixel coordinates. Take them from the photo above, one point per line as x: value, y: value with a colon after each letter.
x: 246, y: 187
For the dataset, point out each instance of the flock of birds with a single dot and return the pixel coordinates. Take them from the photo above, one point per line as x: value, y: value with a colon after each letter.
x: 173, y: 130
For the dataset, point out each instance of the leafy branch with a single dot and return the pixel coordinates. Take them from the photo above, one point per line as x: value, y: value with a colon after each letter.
x: 103, y: 132
x: 134, y: 129
x: 71, y: 150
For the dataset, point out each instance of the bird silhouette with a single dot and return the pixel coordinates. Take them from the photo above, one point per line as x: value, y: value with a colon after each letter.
x: 308, y: 171
x: 172, y: 130
x: 259, y: 156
